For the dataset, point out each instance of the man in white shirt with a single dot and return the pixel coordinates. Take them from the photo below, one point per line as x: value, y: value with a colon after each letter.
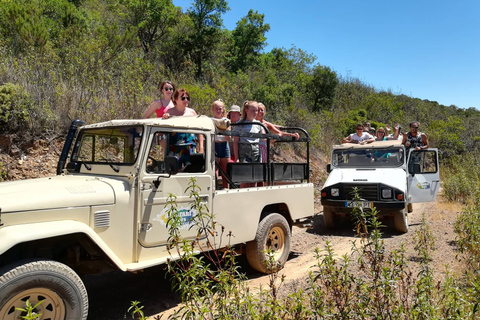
x: 359, y: 137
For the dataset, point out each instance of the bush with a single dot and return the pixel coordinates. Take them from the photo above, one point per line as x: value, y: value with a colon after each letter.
x: 461, y: 178
x: 369, y: 283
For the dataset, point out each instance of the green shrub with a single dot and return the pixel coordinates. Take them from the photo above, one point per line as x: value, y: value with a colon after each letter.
x: 461, y: 178
x: 369, y: 283
x: 15, y: 108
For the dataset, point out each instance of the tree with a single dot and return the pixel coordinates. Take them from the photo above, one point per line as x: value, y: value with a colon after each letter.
x: 321, y: 87
x: 207, y: 21
x: 447, y: 136
x: 248, y: 40
x: 153, y: 19
x: 35, y: 23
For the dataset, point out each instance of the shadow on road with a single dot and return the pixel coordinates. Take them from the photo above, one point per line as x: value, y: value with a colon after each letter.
x: 345, y: 227
x: 110, y: 294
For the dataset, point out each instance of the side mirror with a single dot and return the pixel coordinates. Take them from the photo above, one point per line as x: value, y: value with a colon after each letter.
x: 329, y: 168
x: 171, y: 165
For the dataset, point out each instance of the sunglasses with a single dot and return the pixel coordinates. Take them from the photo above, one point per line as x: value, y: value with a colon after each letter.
x: 168, y: 89
x: 414, y: 127
x: 185, y: 98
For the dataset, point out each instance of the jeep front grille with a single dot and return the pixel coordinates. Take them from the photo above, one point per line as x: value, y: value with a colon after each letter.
x: 365, y: 191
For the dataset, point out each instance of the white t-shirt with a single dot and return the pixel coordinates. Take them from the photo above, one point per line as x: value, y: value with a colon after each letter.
x: 363, y: 137
x: 248, y: 127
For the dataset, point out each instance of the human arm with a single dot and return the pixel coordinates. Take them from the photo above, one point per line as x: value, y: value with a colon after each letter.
x: 425, y: 141
x: 235, y: 148
x: 404, y: 140
x: 154, y: 106
x: 369, y: 139
x: 200, y: 143
x: 348, y: 139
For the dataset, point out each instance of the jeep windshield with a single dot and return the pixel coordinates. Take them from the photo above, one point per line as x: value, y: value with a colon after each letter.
x: 373, y: 158
x: 111, y: 146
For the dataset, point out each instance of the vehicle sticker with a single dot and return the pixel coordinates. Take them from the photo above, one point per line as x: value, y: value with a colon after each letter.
x: 423, y: 185
x: 186, y: 215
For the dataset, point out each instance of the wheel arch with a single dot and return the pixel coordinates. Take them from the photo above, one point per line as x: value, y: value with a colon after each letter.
x: 69, y: 242
x: 280, y: 208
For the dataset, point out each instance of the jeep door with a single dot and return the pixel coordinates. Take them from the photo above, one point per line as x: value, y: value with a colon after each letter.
x: 423, y: 175
x: 154, y: 200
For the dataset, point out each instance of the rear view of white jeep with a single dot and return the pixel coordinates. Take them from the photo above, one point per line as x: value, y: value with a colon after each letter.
x: 384, y: 175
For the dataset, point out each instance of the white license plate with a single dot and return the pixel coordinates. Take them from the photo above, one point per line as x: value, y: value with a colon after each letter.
x: 359, y: 204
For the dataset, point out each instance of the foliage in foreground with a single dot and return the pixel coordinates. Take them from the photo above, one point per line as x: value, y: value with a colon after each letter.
x: 461, y: 178
x: 369, y: 283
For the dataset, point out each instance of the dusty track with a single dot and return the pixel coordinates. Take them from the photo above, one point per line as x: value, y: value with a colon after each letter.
x: 110, y: 295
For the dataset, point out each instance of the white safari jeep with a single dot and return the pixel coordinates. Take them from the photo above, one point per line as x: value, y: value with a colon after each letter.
x: 106, y: 209
x: 385, y: 177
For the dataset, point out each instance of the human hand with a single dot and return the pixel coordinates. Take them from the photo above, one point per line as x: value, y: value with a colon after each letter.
x: 166, y: 115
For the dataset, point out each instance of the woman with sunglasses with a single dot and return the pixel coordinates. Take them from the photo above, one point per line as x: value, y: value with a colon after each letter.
x: 380, y: 136
x: 183, y: 144
x: 181, y: 100
x: 160, y: 105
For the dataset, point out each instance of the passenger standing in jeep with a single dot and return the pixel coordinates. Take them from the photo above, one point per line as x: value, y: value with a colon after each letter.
x: 414, y: 138
x: 359, y: 137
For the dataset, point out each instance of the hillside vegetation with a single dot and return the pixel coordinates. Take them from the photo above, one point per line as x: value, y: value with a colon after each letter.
x: 104, y: 59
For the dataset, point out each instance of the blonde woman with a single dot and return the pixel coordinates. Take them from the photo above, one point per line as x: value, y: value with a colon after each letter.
x: 246, y: 149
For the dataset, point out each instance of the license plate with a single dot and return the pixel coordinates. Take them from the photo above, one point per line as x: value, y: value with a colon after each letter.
x: 359, y: 204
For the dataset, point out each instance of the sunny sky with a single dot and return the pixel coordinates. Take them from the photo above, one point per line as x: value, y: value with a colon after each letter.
x: 421, y: 48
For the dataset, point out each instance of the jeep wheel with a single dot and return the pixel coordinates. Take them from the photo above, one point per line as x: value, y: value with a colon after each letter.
x: 62, y: 291
x: 273, y: 234
x: 328, y: 217
x: 401, y: 221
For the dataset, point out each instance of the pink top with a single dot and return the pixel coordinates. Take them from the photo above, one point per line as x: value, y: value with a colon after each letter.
x: 160, y: 111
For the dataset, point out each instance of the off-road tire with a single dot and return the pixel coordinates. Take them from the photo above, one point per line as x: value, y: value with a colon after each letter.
x: 273, y: 233
x: 61, y: 289
x: 401, y: 221
x: 329, y: 218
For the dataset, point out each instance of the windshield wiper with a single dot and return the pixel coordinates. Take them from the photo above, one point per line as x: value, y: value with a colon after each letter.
x: 87, y: 166
x: 110, y: 164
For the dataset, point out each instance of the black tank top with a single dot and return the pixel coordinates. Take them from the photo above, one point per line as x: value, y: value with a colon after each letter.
x: 415, y: 141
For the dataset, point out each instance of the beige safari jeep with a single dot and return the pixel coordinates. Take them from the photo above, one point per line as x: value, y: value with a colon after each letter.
x: 106, y: 208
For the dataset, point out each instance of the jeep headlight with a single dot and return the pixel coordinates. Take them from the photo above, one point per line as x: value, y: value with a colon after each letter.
x: 335, y: 192
x: 387, y: 193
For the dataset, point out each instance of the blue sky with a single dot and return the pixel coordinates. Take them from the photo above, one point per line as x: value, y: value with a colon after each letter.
x: 424, y: 49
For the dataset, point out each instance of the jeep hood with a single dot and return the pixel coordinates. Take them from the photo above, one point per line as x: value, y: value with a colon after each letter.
x: 394, y: 177
x: 55, y: 192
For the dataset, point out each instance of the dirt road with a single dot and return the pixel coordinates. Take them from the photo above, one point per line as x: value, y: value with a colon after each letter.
x: 110, y: 296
